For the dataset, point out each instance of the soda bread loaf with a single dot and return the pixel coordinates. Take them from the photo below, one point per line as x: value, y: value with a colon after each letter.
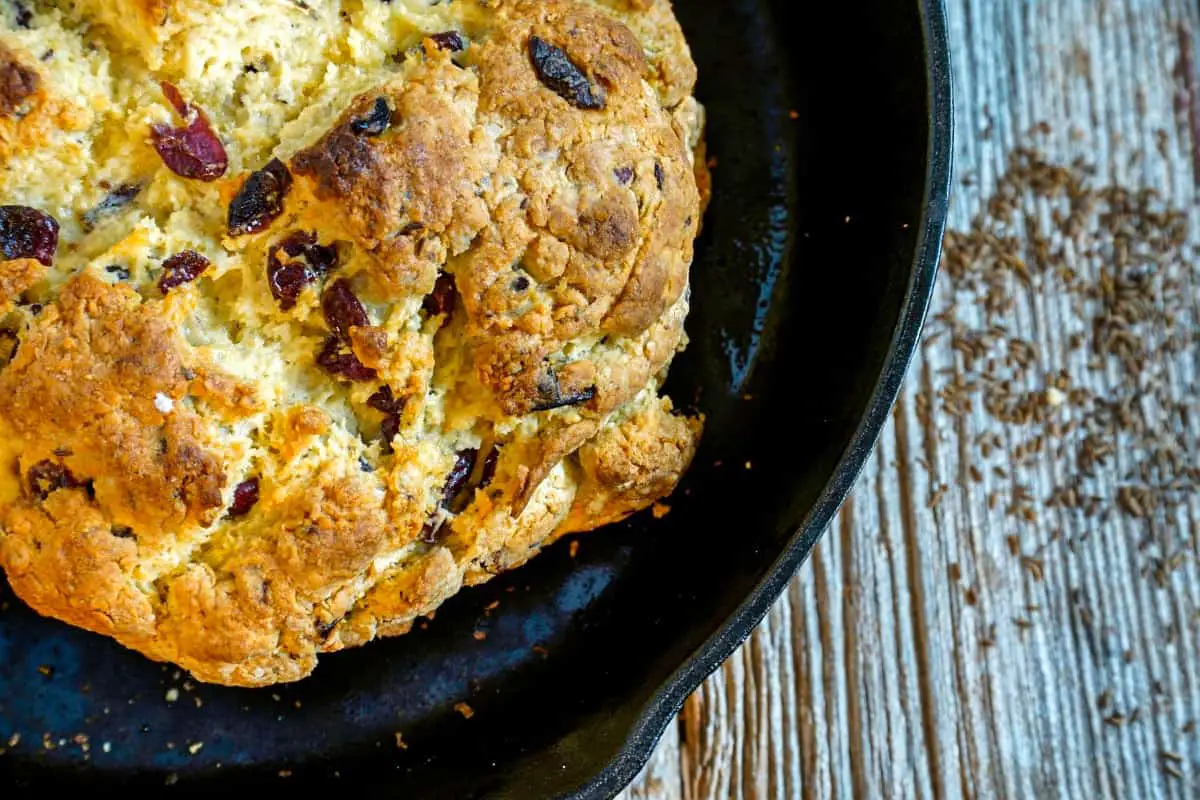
x: 314, y: 311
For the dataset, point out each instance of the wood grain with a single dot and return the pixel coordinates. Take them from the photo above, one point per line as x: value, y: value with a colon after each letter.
x: 914, y: 655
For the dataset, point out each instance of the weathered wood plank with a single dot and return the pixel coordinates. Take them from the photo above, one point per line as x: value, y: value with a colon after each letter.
x: 916, y: 655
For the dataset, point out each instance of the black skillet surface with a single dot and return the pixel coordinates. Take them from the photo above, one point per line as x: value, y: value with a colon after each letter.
x: 809, y: 289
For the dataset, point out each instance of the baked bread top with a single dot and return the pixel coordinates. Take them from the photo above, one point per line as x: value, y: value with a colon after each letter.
x: 312, y: 311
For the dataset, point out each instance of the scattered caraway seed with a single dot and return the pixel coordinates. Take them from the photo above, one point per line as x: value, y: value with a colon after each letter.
x: 1068, y: 313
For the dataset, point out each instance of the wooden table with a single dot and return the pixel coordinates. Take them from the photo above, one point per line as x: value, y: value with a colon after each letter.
x: 919, y: 653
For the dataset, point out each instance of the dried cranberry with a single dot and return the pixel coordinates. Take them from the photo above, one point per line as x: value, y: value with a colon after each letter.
x: 441, y: 299
x: 624, y: 175
x: 175, y: 98
x: 321, y: 257
x: 193, y: 150
x: 383, y: 400
x: 260, y: 200
x: 559, y: 73
x: 551, y: 395
x: 453, y: 497
x: 28, y: 233
x: 450, y: 40
x: 375, y: 122
x: 48, y: 476
x: 287, y: 280
x: 337, y: 358
x: 113, y: 202
x: 388, y: 431
x: 245, y: 495
x: 22, y: 14
x: 433, y: 533
x: 181, y: 268
x: 342, y: 308
x: 9, y: 342
x: 325, y: 628
x: 489, y: 467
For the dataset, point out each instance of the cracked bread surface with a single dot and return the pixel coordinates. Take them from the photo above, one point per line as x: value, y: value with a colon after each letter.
x: 346, y: 305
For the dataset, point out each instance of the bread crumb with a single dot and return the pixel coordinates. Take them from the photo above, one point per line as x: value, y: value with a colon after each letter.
x: 172, y: 695
x: 660, y: 510
x: 573, y: 548
x: 479, y: 636
x: 106, y: 747
x: 195, y: 747
x: 465, y: 710
x: 400, y: 743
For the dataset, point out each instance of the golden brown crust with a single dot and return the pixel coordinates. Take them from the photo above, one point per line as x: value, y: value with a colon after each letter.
x: 673, y: 73
x: 407, y: 195
x: 631, y: 465
x: 84, y: 382
x: 16, y: 276
x: 238, y: 470
x: 606, y: 224
x: 63, y: 556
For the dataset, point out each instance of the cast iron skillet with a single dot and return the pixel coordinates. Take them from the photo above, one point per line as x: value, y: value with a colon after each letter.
x: 809, y: 289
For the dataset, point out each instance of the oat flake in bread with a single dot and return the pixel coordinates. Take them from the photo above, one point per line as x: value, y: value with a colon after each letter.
x: 313, y: 313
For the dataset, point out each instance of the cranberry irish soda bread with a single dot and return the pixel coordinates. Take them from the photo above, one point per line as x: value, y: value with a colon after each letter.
x: 312, y: 313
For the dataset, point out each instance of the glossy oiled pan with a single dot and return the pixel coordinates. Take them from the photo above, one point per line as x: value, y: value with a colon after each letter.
x: 830, y: 123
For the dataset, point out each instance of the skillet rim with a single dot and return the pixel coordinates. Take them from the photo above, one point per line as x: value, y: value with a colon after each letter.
x: 666, y: 702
